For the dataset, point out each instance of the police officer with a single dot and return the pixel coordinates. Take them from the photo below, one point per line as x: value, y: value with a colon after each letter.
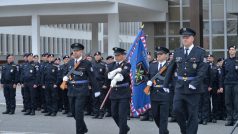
x: 221, y: 101
x: 57, y: 62
x: 43, y: 63
x: 171, y: 91
x: 78, y: 86
x: 22, y: 67
x: 119, y: 73
x: 9, y: 80
x: 38, y: 91
x: 100, y: 73
x: 50, y: 82
x: 189, y: 63
x: 109, y: 60
x: 204, y: 103
x: 214, y: 85
x: 230, y: 76
x: 65, y: 99
x: 30, y: 79
x: 159, y: 97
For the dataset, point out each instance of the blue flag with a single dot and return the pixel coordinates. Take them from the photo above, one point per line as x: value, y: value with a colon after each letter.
x: 137, y: 57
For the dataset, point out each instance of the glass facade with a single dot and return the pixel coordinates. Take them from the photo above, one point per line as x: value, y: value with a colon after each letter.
x: 219, y: 27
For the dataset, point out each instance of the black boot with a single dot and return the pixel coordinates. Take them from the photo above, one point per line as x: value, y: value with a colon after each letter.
x: 48, y: 114
x: 229, y: 123
x: 28, y: 112
x: 53, y: 114
x: 33, y: 112
x: 6, y: 112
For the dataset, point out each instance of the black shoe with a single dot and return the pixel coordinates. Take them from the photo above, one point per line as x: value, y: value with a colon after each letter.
x: 85, y: 130
x: 204, y: 122
x: 87, y: 113
x: 12, y: 112
x: 53, y: 114
x: 144, y: 118
x: 23, y: 110
x: 199, y: 121
x: 172, y: 119
x: 95, y: 116
x: 65, y: 112
x: 33, y: 112
x: 128, y: 118
x: 38, y: 109
x: 28, y: 112
x: 44, y: 111
x: 128, y: 129
x: 100, y: 116
x: 69, y: 115
x: 214, y: 121
x: 229, y: 123
x: 6, y: 112
x: 48, y: 114
x: 108, y: 114
x: 60, y: 110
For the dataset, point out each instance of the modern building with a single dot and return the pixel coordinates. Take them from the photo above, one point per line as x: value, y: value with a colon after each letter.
x: 52, y: 25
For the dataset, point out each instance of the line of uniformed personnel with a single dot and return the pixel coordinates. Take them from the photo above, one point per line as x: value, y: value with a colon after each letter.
x: 183, y: 91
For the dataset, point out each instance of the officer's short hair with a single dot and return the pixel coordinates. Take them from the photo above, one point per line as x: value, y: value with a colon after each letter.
x: 9, y: 55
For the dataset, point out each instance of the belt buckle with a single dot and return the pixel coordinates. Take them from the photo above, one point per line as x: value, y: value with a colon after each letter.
x: 185, y: 78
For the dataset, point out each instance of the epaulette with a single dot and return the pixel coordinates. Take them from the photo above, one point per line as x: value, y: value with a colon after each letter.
x: 201, y: 48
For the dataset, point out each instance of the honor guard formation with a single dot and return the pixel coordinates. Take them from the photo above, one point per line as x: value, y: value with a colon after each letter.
x: 185, y: 85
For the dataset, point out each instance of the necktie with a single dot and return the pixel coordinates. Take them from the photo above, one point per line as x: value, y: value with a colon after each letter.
x: 117, y: 64
x: 76, y: 61
x: 160, y: 66
x: 186, y: 52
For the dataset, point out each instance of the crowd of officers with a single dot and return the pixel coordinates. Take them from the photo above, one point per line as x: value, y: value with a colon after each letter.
x: 40, y: 87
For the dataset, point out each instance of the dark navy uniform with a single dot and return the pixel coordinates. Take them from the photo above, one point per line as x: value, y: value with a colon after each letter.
x: 159, y: 98
x: 121, y: 93
x: 63, y: 69
x: 214, y: 73
x: 21, y: 68
x: 204, y: 103
x: 230, y: 77
x: 190, y: 70
x: 10, y: 77
x: 99, y: 68
x: 78, y: 88
x: 30, y: 78
x: 38, y: 91
x: 43, y: 93
x: 50, y: 79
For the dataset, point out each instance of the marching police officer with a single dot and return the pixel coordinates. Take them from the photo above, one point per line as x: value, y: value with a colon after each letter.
x: 159, y: 97
x: 50, y: 82
x: 119, y: 73
x: 189, y: 64
x: 30, y: 78
x: 78, y: 85
x: 230, y: 77
x: 100, y: 73
x: 9, y: 80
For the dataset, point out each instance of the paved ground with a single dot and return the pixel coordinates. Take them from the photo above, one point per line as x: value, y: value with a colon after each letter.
x: 20, y: 124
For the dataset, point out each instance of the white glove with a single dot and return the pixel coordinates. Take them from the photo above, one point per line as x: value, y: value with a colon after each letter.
x: 192, y: 87
x: 111, y: 74
x: 97, y: 94
x: 166, y: 90
x: 149, y: 83
x: 118, y: 77
x: 113, y: 83
x: 65, y: 78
